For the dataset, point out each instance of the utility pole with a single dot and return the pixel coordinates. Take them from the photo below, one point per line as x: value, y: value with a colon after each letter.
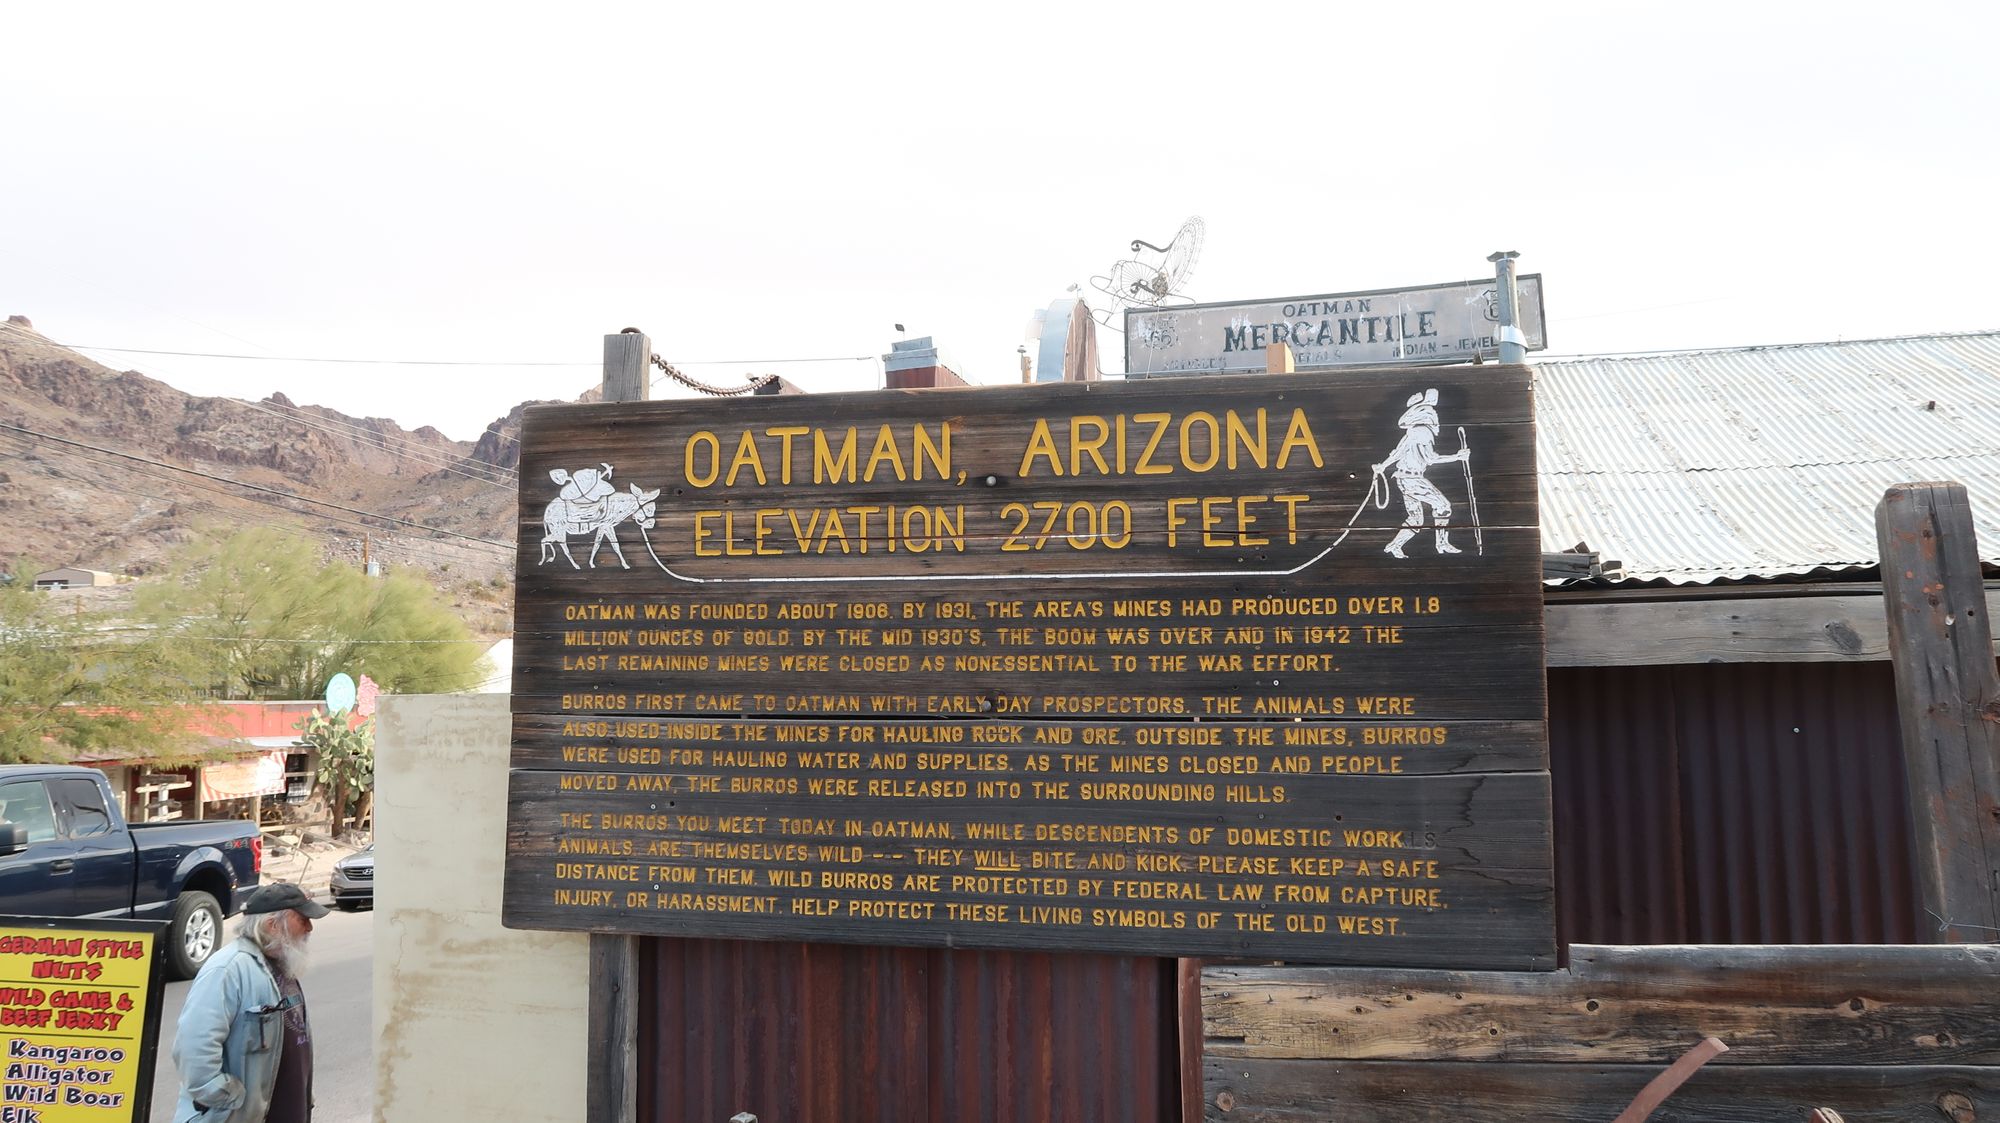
x: 1513, y: 344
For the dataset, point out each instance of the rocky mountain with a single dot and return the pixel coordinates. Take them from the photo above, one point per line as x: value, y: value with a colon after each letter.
x: 75, y: 488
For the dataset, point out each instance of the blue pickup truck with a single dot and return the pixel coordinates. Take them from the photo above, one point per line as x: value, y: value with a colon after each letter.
x: 66, y: 850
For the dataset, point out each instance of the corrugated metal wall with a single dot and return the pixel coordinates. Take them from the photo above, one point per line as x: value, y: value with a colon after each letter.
x: 1738, y: 803
x: 827, y: 1033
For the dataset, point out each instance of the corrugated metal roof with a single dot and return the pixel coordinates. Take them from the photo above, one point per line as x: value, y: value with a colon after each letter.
x: 1705, y: 466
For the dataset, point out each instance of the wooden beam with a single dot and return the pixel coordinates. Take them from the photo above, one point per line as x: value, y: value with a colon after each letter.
x: 1640, y: 1005
x: 626, y: 377
x: 1278, y: 359
x: 1796, y: 629
x: 611, y: 1090
x: 1948, y: 696
x: 1271, y: 1091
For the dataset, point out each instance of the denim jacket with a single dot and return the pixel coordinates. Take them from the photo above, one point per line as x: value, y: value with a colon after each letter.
x: 231, y: 1033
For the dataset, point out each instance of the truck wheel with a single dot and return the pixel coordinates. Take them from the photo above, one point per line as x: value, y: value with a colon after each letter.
x: 194, y: 933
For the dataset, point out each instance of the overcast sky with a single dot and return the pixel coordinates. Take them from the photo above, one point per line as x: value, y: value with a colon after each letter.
x: 761, y: 182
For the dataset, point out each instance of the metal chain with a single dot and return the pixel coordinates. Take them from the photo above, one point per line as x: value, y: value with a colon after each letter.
x: 754, y: 385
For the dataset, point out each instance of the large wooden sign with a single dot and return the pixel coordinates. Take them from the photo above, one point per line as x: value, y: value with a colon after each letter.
x: 1212, y: 667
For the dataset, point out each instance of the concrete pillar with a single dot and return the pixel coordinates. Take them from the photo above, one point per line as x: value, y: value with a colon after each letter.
x: 472, y: 1020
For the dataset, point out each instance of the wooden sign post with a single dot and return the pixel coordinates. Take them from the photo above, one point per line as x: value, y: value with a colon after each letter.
x: 612, y: 1091
x: 1202, y: 667
x: 1948, y: 696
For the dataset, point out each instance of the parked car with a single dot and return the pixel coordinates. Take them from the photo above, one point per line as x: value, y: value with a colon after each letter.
x: 66, y: 850
x: 354, y: 879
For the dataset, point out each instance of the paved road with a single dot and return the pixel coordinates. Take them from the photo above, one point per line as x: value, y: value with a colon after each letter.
x: 339, y: 991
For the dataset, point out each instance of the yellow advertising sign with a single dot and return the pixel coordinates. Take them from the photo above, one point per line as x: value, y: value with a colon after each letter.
x: 79, y: 1019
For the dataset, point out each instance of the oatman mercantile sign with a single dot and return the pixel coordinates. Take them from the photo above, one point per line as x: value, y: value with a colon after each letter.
x: 1204, y: 667
x: 1458, y: 322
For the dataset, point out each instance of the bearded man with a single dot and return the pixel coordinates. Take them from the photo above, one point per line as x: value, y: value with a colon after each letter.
x: 244, y: 1046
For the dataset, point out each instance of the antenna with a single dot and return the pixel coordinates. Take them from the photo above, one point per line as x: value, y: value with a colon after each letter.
x: 1145, y: 283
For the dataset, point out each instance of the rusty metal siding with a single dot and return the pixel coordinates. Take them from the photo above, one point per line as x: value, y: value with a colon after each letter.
x: 1730, y: 804
x: 1615, y: 774
x: 1740, y: 803
x: 830, y: 1033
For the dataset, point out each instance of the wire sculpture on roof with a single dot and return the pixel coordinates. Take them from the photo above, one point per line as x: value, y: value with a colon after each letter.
x: 1148, y: 283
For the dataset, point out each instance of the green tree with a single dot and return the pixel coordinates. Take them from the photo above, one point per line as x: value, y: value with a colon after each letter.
x: 346, y: 761
x: 72, y: 680
x: 262, y: 615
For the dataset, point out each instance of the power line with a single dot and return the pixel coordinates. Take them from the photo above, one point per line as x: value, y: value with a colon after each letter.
x: 345, y: 426
x: 384, y: 543
x: 434, y: 362
x: 259, y: 487
x: 25, y: 443
x: 494, y: 428
x: 772, y: 362
x: 358, y: 433
x: 307, y: 359
x: 326, y: 641
x: 369, y: 439
x: 208, y: 505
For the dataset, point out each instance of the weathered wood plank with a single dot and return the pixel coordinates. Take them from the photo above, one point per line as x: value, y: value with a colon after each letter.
x: 1300, y: 453
x: 1771, y: 1005
x: 611, y: 1093
x: 1207, y: 677
x: 1948, y: 697
x: 1247, y: 750
x: 627, y: 375
x: 1439, y: 871
x: 1249, y: 647
x: 1837, y: 629
x: 1240, y: 1090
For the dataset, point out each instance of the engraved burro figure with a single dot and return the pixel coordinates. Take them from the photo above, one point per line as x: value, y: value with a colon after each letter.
x: 589, y: 504
x: 1410, y: 465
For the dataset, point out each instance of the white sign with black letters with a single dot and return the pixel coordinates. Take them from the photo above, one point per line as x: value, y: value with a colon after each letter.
x: 1449, y: 323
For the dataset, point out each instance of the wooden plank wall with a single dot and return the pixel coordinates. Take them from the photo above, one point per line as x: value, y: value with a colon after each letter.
x: 1781, y: 629
x: 1876, y: 1032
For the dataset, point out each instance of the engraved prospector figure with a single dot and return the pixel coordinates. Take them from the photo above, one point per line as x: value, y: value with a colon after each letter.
x: 589, y: 504
x: 1409, y: 466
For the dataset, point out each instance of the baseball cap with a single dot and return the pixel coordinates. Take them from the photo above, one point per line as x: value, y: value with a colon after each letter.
x: 281, y: 895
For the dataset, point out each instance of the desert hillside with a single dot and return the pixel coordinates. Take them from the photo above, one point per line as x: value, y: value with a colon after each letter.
x: 95, y: 502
